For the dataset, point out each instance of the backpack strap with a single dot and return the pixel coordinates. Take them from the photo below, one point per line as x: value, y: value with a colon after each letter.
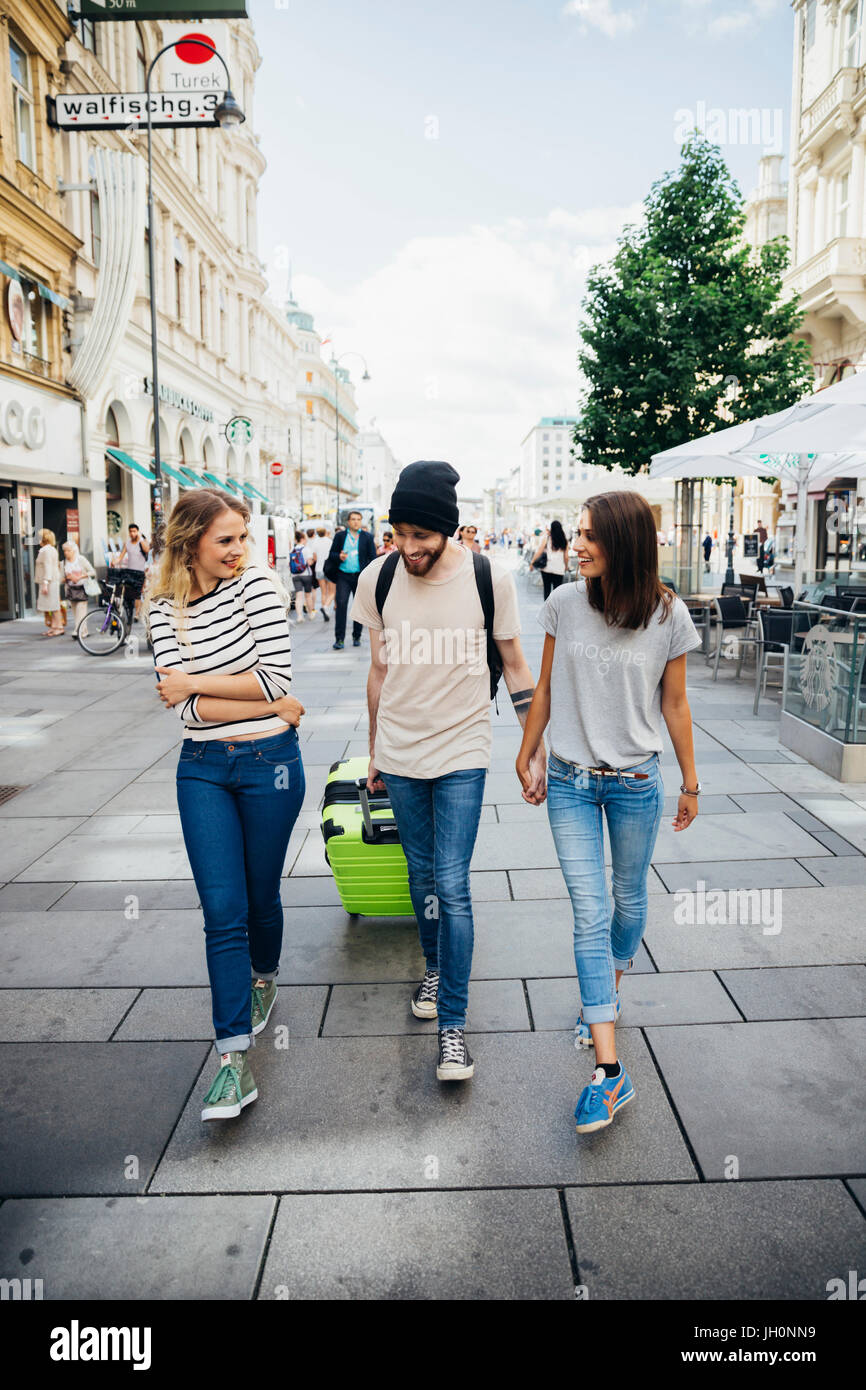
x: 484, y: 585
x: 385, y: 579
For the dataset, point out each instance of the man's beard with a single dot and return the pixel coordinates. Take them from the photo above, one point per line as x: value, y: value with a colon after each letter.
x: 430, y: 560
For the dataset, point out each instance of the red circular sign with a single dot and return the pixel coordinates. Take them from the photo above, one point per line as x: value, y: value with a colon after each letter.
x: 193, y: 52
x: 276, y: 467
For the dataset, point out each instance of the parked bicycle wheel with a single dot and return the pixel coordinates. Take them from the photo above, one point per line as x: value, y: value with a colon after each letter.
x: 101, y: 631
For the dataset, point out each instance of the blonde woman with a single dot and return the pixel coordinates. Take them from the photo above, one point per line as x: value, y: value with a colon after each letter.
x: 76, y: 568
x: 221, y: 646
x: 47, y: 575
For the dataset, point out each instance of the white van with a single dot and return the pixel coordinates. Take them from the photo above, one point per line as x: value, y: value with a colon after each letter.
x: 272, y: 538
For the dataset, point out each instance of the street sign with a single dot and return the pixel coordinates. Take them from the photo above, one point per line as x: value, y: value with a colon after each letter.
x: 276, y: 468
x: 239, y: 430
x: 120, y: 110
x: 157, y: 9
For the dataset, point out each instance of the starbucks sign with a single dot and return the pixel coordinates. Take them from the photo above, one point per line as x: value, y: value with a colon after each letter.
x: 239, y: 430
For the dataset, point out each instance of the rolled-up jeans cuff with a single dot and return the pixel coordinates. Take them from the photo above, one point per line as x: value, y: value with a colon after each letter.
x: 623, y: 964
x: 265, y: 974
x: 599, y: 1013
x: 241, y: 1043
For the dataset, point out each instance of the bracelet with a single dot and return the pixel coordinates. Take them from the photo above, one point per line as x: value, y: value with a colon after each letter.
x: 685, y: 791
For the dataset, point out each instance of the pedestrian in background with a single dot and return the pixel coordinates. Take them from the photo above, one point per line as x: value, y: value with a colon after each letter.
x: 466, y: 536
x: 430, y: 727
x: 302, y: 578
x: 387, y: 543
x: 352, y: 550
x: 76, y: 569
x: 46, y: 573
x: 134, y: 559
x: 222, y: 651
x: 708, y: 550
x: 614, y: 665
x: 554, y: 546
x: 322, y: 546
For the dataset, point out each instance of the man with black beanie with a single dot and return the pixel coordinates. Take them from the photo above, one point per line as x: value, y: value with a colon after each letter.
x: 428, y: 695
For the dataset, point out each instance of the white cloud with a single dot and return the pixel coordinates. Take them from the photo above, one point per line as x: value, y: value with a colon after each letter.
x: 470, y: 338
x: 597, y: 14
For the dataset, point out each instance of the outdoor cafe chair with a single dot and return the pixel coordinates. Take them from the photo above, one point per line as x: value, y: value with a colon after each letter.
x: 774, y: 642
x: 732, y: 616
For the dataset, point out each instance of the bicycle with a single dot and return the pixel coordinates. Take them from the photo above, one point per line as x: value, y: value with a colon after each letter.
x: 102, y: 632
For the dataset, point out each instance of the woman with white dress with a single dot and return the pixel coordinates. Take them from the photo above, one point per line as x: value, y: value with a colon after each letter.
x: 47, y: 575
x: 76, y: 569
x: 555, y: 545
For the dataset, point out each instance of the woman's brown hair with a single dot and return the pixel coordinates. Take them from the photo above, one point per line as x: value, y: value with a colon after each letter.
x: 623, y: 525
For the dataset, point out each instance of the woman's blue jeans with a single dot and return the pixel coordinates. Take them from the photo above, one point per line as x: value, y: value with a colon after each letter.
x: 238, y: 804
x: 604, y: 943
x: 438, y: 822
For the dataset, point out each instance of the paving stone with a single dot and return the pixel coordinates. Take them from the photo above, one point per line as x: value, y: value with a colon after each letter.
x: 858, y: 1188
x: 719, y: 778
x: 186, y: 1013
x: 757, y: 758
x: 768, y: 1241
x: 843, y: 816
x: 823, y: 991
x: 730, y: 873
x: 62, y: 1015
x: 147, y: 796
x: 25, y: 842
x: 819, y: 926
x: 87, y: 857
x: 65, y: 794
x: 515, y: 845
x: 511, y: 1125
x: 377, y: 1010
x: 848, y: 870
x: 104, y: 1110
x: 682, y: 997
x: 835, y: 843
x: 184, y: 1247
x: 797, y: 1112
x: 35, y: 896
x: 771, y: 835
x: 151, y: 894
x: 60, y: 949
x: 710, y: 805
x: 488, y: 1245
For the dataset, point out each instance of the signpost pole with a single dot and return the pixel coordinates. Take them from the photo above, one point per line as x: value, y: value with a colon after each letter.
x: 158, y: 527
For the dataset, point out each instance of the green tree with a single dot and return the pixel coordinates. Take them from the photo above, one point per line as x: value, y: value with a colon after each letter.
x: 685, y: 329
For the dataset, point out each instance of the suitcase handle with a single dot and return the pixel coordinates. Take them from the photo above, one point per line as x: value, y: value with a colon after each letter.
x: 374, y: 829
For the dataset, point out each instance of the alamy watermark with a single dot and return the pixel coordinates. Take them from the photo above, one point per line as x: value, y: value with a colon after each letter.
x: 738, y: 125
x: 731, y: 907
x: 438, y: 646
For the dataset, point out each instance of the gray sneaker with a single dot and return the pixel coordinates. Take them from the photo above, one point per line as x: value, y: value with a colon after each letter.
x: 233, y: 1088
x: 455, y: 1064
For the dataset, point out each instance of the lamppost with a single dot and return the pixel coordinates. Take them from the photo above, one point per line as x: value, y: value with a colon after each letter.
x: 227, y: 114
x: 335, y: 362
x: 729, y: 547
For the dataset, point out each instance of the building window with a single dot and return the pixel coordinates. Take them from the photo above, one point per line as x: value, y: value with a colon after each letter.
x: 140, y: 61
x: 842, y: 207
x: 35, y: 323
x: 147, y: 263
x: 851, y: 34
x: 178, y: 279
x: 809, y: 24
x: 95, y: 229
x: 202, y: 301
x: 87, y: 34
x: 22, y: 97
x: 545, y: 436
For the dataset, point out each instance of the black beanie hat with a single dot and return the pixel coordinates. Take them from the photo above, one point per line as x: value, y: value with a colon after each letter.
x: 426, y: 496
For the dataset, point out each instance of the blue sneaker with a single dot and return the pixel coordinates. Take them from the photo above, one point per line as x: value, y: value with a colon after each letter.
x: 582, y: 1035
x: 599, y: 1101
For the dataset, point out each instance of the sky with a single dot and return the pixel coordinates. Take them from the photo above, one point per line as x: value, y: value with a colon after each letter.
x: 441, y: 177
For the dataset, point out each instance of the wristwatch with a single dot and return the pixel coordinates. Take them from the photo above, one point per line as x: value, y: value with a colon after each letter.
x: 691, y: 791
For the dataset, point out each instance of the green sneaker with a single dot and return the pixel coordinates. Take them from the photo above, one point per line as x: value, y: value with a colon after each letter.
x: 233, y: 1088
x: 264, y: 997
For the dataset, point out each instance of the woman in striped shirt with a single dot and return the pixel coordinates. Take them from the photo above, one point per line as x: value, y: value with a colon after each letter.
x: 221, y: 645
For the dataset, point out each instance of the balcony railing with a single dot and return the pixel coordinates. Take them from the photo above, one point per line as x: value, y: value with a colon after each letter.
x: 843, y: 88
x: 844, y: 256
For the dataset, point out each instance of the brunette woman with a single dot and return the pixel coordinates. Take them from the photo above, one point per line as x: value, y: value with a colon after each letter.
x: 614, y: 666
x: 221, y: 645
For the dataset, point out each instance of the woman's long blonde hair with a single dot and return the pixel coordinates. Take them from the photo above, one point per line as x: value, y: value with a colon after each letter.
x: 190, y: 517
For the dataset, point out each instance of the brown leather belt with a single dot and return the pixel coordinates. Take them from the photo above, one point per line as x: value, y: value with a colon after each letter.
x: 603, y: 771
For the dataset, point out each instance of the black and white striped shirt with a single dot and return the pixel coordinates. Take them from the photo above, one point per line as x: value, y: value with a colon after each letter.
x: 241, y: 625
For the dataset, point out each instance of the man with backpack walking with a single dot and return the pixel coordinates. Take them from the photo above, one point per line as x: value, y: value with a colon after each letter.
x: 302, y: 579
x: 443, y: 625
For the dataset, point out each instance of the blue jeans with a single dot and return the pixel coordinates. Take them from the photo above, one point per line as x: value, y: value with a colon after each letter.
x: 438, y: 821
x: 604, y: 944
x: 238, y: 803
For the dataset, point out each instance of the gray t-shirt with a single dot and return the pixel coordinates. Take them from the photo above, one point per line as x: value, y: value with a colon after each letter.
x: 605, y: 688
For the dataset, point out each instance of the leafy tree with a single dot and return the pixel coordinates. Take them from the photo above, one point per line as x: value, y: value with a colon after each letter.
x: 685, y: 329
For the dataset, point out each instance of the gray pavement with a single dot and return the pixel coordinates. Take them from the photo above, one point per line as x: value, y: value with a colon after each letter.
x: 738, y: 1172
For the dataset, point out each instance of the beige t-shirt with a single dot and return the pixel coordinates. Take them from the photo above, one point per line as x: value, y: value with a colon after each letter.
x: 434, y: 710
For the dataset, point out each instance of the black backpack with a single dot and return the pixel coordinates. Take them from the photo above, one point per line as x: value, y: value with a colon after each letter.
x: 484, y: 584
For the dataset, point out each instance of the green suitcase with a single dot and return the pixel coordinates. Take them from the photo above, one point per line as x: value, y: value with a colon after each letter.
x: 362, y: 844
